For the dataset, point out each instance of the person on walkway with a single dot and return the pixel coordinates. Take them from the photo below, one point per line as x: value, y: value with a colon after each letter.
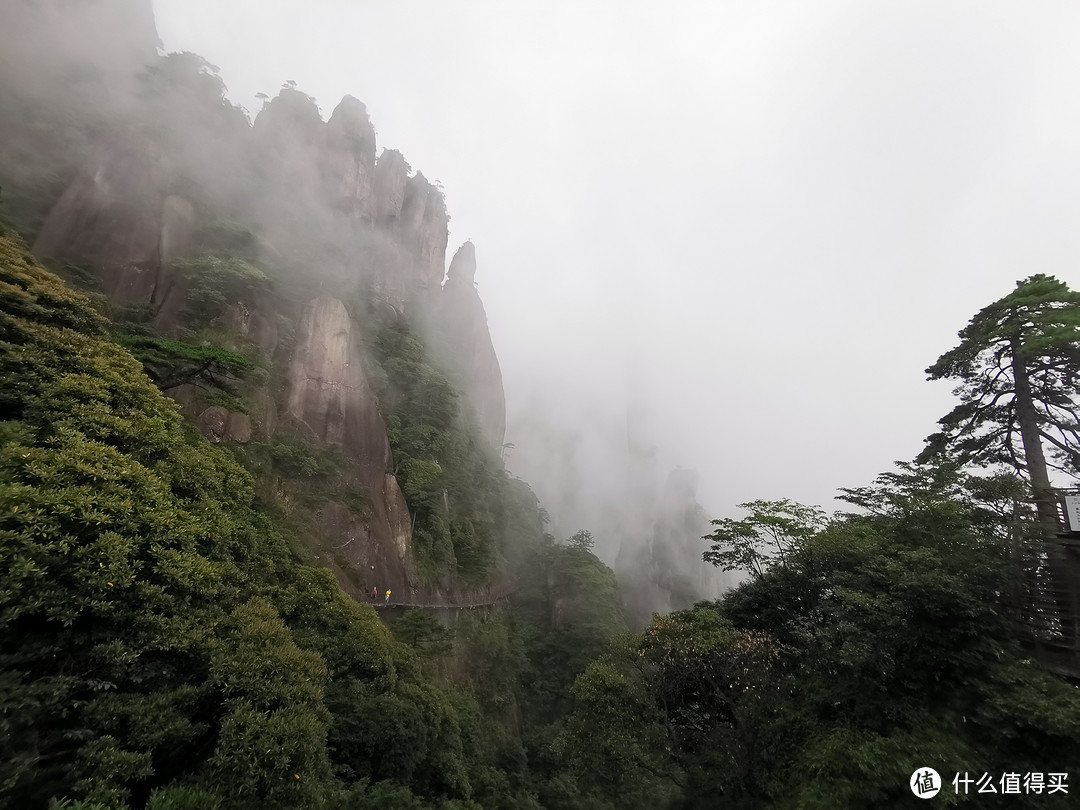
x: 388, y: 596
x: 374, y: 594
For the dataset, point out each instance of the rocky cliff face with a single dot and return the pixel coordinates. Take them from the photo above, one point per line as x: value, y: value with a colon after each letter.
x: 422, y: 228
x: 330, y: 395
x: 112, y: 214
x: 348, y: 159
x: 331, y: 223
x: 388, y: 186
x: 392, y: 226
x: 56, y: 112
x: 118, y: 217
x: 664, y: 571
x: 327, y: 389
x: 468, y: 350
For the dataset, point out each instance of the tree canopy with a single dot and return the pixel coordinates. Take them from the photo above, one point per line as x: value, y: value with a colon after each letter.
x: 1018, y: 367
x: 773, y: 531
x: 876, y: 645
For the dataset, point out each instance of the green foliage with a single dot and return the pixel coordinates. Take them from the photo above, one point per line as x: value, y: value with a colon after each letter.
x: 275, y: 722
x: 182, y: 797
x: 689, y: 704
x: 29, y: 294
x: 226, y: 400
x: 566, y: 610
x: 162, y: 647
x: 424, y: 633
x: 298, y: 455
x: 214, y: 281
x: 170, y: 363
x: 158, y: 642
x: 127, y: 542
x: 176, y: 70
x: 389, y: 795
x: 1018, y: 365
x: 68, y: 804
x: 412, y: 734
x: 932, y: 500
x: 582, y: 540
x: 569, y: 600
x: 433, y: 548
x: 614, y: 734
x: 774, y: 531
x: 495, y: 656
x: 473, y: 549
x: 420, y: 481
x: 182, y: 100
x: 230, y: 239
x: 355, y: 500
x: 454, y: 487
x: 876, y: 644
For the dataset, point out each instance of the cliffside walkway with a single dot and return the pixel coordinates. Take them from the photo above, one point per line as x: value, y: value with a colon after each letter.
x: 503, y: 597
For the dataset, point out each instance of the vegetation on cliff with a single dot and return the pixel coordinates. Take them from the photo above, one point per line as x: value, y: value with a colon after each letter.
x: 453, y: 485
x: 163, y: 643
x: 158, y: 631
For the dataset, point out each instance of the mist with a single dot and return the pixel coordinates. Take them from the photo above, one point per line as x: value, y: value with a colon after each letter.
x: 720, y: 238
x: 387, y: 386
x: 754, y: 225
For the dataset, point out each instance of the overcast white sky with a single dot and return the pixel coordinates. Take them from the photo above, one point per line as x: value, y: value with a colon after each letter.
x: 763, y: 219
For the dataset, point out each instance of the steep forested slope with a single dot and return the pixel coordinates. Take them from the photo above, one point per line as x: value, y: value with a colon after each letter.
x: 185, y: 577
x: 157, y: 628
x: 266, y: 401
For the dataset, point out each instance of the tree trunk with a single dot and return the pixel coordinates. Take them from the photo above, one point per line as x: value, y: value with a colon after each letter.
x: 1034, y: 459
x: 1059, y: 578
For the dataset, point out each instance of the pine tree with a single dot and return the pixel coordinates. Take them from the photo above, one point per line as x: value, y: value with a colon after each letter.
x: 1018, y: 364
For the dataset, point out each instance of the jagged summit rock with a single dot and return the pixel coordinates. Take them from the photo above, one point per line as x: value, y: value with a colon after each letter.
x: 468, y: 350
x: 424, y: 228
x: 463, y: 266
x: 391, y: 174
x: 290, y: 118
x: 348, y: 159
x: 351, y: 116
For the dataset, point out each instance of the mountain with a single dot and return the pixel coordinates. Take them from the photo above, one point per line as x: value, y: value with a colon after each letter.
x: 290, y: 242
